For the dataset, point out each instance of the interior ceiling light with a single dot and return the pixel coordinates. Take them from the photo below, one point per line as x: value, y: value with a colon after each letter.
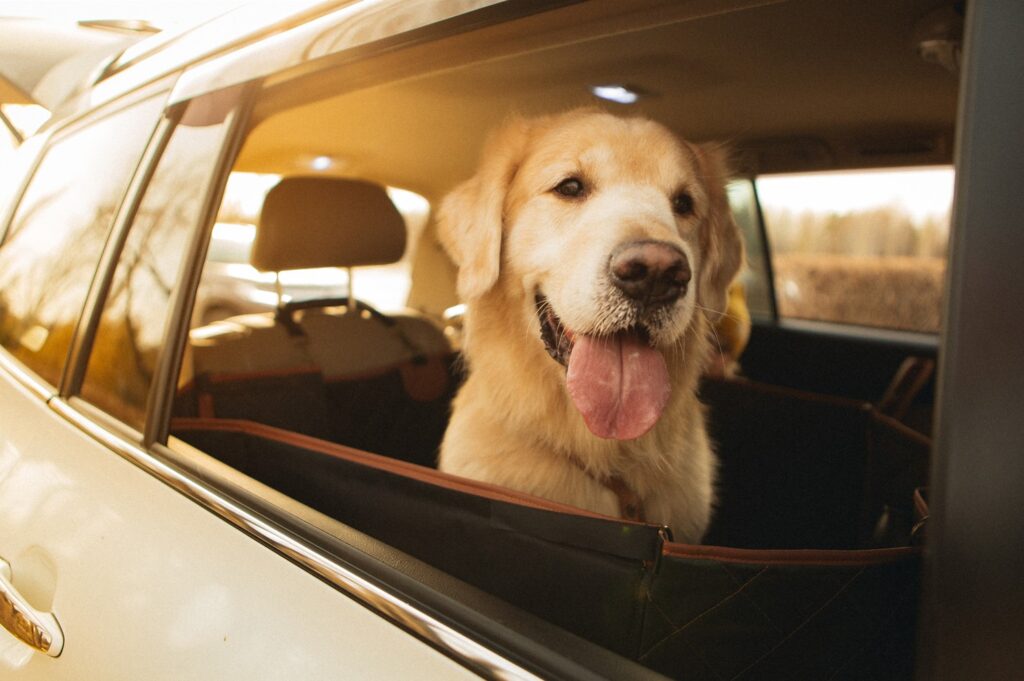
x: 616, y: 93
x: 322, y: 163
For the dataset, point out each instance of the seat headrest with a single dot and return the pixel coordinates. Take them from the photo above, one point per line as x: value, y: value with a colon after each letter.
x: 327, y: 222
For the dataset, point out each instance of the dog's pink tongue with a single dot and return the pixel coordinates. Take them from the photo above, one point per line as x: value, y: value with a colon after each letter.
x: 620, y: 384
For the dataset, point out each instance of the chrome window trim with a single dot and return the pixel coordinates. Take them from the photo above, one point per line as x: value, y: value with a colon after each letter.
x: 460, y: 647
x: 25, y: 377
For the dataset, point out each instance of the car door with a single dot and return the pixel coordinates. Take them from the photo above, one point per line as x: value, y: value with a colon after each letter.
x: 110, y: 569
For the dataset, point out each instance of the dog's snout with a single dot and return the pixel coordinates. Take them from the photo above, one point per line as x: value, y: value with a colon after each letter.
x: 653, y: 273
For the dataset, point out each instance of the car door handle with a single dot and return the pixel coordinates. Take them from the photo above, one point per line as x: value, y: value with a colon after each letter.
x: 39, y: 630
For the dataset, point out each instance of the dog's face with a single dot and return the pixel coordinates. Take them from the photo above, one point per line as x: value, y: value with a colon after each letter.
x: 613, y: 234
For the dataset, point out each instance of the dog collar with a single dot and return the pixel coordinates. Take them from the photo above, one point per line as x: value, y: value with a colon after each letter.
x: 631, y: 506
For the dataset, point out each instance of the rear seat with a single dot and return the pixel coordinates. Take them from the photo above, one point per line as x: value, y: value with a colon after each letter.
x: 333, y: 369
x: 784, y: 451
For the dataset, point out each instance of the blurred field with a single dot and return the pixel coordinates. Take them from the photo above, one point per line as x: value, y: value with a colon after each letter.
x: 896, y: 292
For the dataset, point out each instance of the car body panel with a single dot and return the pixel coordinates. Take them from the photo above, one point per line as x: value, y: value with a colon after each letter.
x: 78, y: 524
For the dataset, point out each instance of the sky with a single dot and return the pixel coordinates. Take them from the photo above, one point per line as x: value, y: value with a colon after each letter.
x: 922, y: 192
x: 162, y: 13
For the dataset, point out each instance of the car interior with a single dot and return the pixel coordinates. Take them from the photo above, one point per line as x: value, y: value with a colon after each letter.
x: 823, y: 433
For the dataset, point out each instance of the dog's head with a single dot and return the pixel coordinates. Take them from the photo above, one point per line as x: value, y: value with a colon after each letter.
x: 614, y: 234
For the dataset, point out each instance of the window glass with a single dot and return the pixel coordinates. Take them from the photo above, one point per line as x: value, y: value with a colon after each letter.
x: 131, y: 329
x: 865, y: 248
x: 58, y: 232
x: 754, y: 277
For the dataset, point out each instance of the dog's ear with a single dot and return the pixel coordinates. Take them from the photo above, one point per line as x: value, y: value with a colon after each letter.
x: 471, y: 217
x: 723, y: 246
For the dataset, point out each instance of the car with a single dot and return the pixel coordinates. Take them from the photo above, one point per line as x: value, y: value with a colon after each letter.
x: 196, y: 486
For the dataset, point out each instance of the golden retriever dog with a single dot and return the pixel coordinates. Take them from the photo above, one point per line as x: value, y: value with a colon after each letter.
x: 594, y: 254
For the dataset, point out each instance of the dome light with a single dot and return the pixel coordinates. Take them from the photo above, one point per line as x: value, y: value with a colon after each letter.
x: 619, y: 94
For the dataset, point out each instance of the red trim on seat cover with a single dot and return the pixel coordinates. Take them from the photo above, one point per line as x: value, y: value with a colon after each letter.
x: 834, y: 557
x: 379, y: 462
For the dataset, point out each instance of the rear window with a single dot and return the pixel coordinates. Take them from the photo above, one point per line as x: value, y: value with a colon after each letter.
x: 61, y: 225
x: 865, y: 247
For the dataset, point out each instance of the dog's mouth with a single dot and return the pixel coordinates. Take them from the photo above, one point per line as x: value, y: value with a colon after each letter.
x: 618, y: 381
x: 557, y: 338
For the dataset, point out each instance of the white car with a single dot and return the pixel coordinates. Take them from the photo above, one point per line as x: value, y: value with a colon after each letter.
x: 249, y: 492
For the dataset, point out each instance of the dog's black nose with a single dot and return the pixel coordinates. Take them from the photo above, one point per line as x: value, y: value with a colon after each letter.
x: 653, y: 273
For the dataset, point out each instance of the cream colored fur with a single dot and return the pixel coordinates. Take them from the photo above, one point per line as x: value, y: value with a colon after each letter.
x: 511, y: 236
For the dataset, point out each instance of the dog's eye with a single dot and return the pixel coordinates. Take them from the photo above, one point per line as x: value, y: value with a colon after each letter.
x: 571, y: 187
x: 682, y: 204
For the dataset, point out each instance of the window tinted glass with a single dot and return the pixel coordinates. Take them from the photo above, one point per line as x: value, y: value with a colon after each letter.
x: 131, y: 328
x: 59, y: 230
x: 865, y: 247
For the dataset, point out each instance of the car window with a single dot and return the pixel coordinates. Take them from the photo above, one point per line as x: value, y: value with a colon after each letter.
x: 860, y: 247
x: 58, y: 231
x: 131, y: 328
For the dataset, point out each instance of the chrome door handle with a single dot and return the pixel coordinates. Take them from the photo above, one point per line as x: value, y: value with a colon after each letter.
x: 39, y: 630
